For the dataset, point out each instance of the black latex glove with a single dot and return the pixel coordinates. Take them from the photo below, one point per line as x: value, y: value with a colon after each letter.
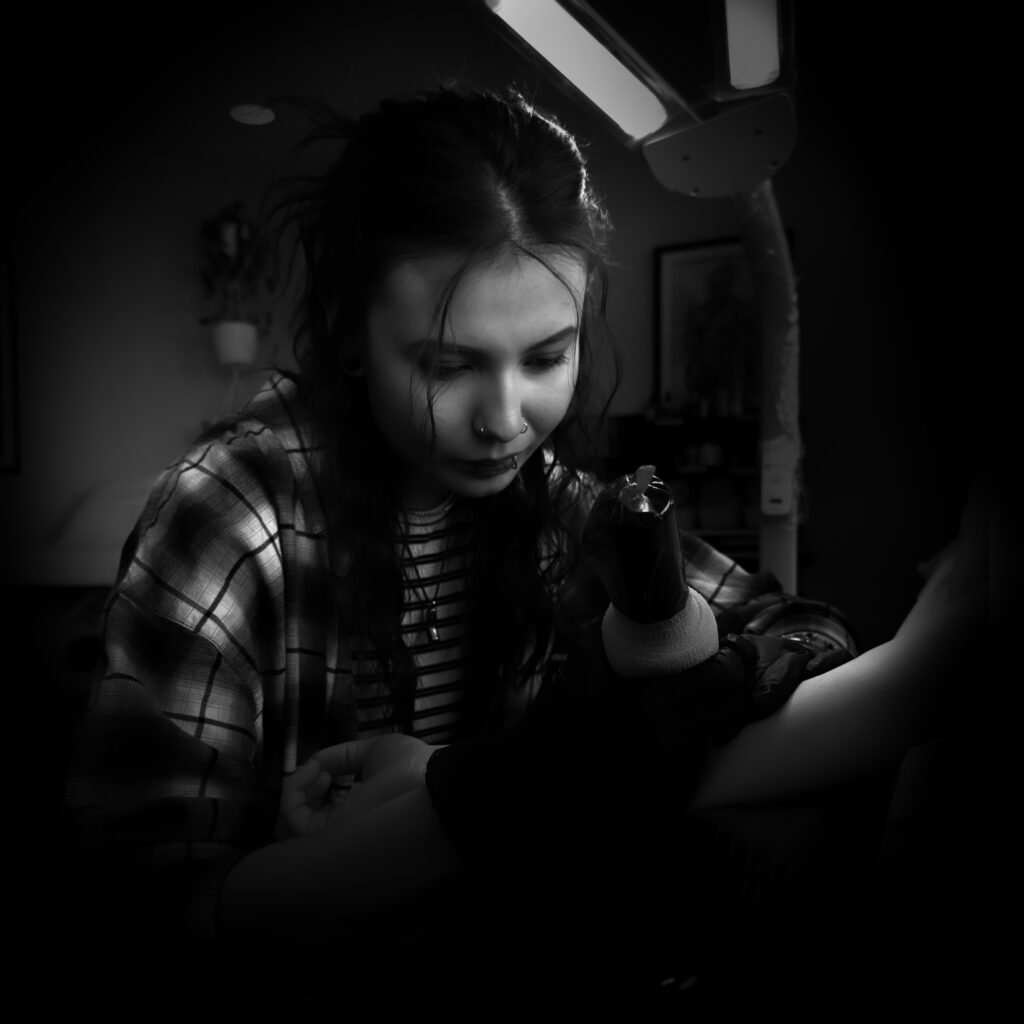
x: 636, y: 550
x: 775, y: 667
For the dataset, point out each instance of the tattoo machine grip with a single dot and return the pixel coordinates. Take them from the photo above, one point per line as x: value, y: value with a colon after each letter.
x: 632, y: 536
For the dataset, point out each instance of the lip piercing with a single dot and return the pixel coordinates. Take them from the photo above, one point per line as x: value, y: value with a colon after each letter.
x: 523, y: 431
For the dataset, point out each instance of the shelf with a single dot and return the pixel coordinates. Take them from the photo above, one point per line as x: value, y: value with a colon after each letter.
x: 735, y: 534
x: 688, y: 420
x: 678, y: 471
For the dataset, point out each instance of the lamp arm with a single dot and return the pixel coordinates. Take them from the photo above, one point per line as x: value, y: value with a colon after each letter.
x: 767, y: 248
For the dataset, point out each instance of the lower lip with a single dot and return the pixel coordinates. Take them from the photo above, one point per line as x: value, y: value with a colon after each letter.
x: 486, y: 470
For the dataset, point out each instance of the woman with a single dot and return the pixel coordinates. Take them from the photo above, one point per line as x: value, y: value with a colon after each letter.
x: 384, y: 542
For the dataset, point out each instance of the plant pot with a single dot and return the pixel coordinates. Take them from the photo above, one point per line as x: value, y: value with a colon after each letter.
x: 236, y: 342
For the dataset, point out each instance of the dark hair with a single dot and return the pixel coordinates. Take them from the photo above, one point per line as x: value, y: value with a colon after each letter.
x: 473, y: 174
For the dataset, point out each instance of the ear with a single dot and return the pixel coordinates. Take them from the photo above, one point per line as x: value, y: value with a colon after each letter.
x: 352, y: 364
x: 353, y: 351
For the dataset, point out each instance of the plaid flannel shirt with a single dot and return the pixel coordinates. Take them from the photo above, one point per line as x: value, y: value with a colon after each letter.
x: 225, y: 665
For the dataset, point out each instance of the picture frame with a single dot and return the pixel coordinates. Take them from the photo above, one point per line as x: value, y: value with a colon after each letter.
x: 8, y: 373
x: 707, y: 348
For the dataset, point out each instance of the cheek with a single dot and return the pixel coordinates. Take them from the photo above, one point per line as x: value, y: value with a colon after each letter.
x: 444, y: 414
x: 399, y: 407
x: 552, y: 403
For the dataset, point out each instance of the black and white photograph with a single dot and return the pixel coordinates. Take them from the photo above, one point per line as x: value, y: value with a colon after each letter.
x: 502, y: 509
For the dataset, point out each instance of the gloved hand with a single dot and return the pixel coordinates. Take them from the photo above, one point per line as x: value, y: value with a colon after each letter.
x: 775, y: 666
x: 682, y: 718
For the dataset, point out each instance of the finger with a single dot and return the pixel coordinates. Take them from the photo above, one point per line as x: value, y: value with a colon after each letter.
x: 344, y: 758
x: 819, y: 663
x: 290, y: 800
x: 318, y: 787
x: 777, y: 683
x: 303, y: 775
x: 825, y: 661
x: 392, y: 750
x: 293, y: 796
x: 298, y: 818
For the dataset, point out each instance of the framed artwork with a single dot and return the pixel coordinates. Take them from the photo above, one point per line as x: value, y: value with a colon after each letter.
x: 8, y: 374
x: 708, y: 352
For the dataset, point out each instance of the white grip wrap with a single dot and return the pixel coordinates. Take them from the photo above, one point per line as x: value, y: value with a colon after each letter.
x: 661, y: 648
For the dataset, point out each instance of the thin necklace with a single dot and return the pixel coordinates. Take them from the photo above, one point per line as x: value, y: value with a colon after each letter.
x: 428, y: 519
x: 430, y: 613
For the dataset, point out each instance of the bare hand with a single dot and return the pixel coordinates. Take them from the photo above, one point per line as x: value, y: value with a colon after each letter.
x: 387, y: 767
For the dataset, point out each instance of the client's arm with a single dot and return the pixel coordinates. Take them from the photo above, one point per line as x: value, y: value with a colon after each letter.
x: 848, y: 722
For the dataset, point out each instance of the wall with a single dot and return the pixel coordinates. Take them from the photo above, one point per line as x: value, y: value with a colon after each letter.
x: 884, y: 198
x: 128, y: 147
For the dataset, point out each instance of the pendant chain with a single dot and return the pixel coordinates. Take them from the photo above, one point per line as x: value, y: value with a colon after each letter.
x: 430, y: 612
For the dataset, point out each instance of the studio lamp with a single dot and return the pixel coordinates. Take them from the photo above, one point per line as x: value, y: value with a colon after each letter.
x: 713, y: 117
x: 720, y: 123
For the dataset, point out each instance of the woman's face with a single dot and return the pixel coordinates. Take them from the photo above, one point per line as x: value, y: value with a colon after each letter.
x: 508, y: 360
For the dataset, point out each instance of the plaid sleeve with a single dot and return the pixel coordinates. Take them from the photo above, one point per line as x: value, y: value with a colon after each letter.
x: 165, y: 791
x: 720, y: 580
x: 745, y: 602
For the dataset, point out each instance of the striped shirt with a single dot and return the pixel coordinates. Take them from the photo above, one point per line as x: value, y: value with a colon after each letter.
x: 226, y: 667
x: 432, y: 549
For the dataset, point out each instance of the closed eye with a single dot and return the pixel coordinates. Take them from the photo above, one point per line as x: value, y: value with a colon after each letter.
x: 543, y: 364
x: 541, y: 357
x: 535, y: 364
x: 446, y: 371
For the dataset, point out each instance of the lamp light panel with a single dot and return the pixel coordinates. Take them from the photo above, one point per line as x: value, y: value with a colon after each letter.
x: 752, y: 32
x: 561, y: 40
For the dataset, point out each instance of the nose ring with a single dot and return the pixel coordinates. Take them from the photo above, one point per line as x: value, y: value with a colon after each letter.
x: 481, y: 430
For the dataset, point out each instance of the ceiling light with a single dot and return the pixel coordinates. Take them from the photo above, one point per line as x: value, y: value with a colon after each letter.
x: 252, y: 114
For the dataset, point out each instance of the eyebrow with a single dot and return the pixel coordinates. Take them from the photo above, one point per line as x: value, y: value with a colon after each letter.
x: 568, y: 332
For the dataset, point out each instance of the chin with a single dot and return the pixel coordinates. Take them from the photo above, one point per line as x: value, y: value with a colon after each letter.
x: 467, y: 487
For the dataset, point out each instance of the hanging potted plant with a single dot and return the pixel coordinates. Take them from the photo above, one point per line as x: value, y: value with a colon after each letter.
x: 237, y: 283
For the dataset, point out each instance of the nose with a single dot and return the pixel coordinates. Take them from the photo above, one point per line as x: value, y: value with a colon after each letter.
x: 499, y: 412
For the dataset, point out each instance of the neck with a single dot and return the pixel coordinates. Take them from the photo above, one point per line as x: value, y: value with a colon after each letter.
x: 423, y: 503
